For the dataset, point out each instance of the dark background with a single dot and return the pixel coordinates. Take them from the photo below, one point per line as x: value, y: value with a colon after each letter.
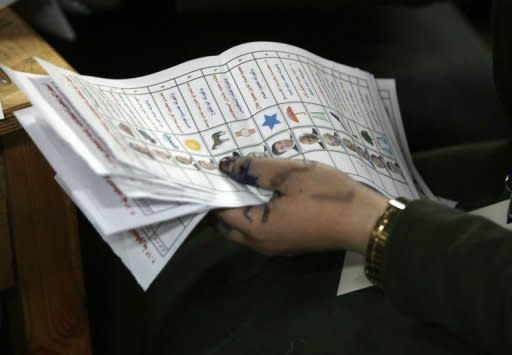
x: 441, y: 58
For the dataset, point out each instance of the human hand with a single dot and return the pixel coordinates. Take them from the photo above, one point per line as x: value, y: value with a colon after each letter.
x: 314, y: 207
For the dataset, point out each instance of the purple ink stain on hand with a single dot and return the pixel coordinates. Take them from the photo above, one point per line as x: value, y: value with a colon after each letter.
x: 243, y: 176
x: 228, y: 165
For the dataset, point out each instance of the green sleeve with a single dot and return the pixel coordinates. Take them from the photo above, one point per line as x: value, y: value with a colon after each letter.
x: 445, y: 267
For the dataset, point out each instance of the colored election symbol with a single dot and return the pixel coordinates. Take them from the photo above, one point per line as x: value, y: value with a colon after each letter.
x: 292, y: 115
x: 319, y: 115
x: 192, y: 144
x: 366, y: 136
x: 271, y: 120
x: 245, y: 132
x: 217, y: 139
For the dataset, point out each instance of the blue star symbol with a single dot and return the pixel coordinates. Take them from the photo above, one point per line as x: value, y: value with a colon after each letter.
x: 271, y: 120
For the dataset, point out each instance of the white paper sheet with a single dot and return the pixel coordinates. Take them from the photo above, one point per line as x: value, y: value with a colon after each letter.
x: 98, y: 198
x: 496, y: 212
x: 144, y: 251
x: 388, y: 94
x: 243, y: 101
x: 77, y: 133
x: 352, y: 274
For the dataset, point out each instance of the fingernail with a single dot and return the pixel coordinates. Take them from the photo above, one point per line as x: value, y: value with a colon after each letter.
x: 226, y: 165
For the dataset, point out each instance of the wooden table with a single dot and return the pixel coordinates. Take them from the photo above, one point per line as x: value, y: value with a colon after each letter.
x: 40, y: 264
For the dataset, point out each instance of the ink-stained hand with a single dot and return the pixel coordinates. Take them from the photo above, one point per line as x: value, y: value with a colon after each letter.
x: 314, y: 207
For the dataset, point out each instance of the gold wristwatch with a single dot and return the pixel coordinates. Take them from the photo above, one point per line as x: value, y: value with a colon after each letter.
x: 379, y: 238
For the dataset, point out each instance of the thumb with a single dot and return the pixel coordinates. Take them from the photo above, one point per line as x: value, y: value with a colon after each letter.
x: 267, y: 173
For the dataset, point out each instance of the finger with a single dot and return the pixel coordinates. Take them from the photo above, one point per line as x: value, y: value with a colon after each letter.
x: 267, y: 173
x: 245, y: 219
x: 236, y: 235
x: 252, y: 220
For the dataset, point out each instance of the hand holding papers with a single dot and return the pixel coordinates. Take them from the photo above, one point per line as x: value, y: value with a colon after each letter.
x: 142, y: 154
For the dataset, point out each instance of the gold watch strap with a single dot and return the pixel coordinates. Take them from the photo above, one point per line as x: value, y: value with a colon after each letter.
x: 379, y: 238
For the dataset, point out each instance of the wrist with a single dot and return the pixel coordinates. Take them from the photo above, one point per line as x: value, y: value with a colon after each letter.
x: 373, y: 209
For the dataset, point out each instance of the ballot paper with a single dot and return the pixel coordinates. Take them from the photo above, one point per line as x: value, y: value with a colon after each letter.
x: 145, y: 250
x: 352, y: 277
x: 144, y: 152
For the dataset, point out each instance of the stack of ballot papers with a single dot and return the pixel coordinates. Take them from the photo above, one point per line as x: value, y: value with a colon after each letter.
x: 140, y: 156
